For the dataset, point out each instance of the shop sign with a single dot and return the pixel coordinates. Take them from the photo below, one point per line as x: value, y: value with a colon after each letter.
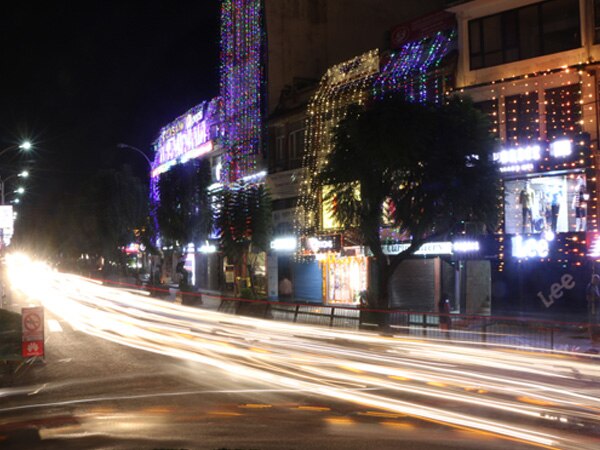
x: 561, y: 148
x: 556, y: 291
x: 466, y: 246
x: 324, y: 244
x: 532, y: 247
x: 284, y: 244
x: 525, y: 158
x: 519, y: 159
x: 429, y: 248
x: 186, y: 138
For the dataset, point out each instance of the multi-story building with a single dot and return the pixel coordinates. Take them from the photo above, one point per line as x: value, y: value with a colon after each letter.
x: 332, y: 267
x: 192, y: 139
x: 530, y: 65
x: 273, y: 47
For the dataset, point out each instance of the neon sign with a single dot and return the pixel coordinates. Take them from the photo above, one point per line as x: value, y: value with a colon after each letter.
x: 519, y: 155
x: 561, y: 148
x: 429, y: 248
x: 187, y: 137
x: 284, y: 244
x: 530, y: 247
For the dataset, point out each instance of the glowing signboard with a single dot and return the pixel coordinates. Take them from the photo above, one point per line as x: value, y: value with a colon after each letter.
x: 561, y: 148
x: 284, y: 244
x: 429, y: 248
x: 532, y: 247
x: 186, y: 138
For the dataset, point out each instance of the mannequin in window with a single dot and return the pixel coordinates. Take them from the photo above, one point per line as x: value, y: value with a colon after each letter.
x: 526, y: 199
x: 555, y: 208
x: 580, y: 205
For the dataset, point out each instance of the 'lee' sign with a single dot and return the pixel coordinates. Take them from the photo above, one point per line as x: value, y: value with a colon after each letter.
x: 567, y: 282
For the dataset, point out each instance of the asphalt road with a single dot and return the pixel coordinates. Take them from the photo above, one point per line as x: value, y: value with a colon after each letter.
x: 125, y: 371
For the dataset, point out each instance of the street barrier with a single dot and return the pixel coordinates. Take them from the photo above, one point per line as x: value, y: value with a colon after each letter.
x: 522, y: 332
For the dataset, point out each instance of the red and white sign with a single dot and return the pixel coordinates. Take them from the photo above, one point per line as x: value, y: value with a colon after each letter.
x: 33, y: 331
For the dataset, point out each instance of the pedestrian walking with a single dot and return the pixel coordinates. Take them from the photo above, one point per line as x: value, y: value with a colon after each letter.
x: 285, y: 288
x: 444, y: 314
x: 592, y: 294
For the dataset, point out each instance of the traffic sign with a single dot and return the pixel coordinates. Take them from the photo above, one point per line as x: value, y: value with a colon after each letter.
x: 33, y: 331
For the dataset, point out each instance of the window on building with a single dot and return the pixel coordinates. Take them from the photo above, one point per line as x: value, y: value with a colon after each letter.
x: 539, y: 29
x: 280, y: 149
x: 522, y: 118
x: 563, y: 111
x: 296, y: 147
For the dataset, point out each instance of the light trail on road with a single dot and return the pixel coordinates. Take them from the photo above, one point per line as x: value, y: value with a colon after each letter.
x: 545, y: 400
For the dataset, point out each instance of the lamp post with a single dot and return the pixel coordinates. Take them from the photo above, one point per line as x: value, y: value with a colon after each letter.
x: 152, y: 203
x: 131, y: 147
x: 25, y: 145
x: 23, y: 174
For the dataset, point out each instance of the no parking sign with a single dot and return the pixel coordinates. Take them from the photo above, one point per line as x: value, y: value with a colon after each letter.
x: 33, y: 331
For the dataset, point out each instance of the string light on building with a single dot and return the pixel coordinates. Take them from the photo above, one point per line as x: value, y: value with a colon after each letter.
x: 242, y: 79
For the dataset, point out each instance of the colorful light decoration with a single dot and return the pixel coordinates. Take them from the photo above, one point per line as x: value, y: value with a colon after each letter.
x: 242, y: 44
x: 412, y: 70
x: 344, y: 84
x: 551, y: 108
x: 188, y: 137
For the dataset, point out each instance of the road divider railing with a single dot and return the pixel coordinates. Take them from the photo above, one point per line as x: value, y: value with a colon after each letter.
x: 526, y: 332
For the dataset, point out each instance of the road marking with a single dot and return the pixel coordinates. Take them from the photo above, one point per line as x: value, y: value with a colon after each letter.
x: 54, y: 326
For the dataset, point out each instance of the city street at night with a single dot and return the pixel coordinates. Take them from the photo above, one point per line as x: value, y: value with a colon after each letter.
x: 123, y: 370
x: 300, y: 224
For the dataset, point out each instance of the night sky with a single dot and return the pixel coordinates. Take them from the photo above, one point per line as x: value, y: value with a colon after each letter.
x: 79, y: 77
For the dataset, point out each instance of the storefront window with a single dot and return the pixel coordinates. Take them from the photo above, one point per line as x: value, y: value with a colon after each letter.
x: 551, y: 203
x: 344, y: 278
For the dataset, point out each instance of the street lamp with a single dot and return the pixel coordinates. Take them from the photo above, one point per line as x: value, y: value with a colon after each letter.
x: 131, y: 147
x: 25, y: 145
x: 20, y: 190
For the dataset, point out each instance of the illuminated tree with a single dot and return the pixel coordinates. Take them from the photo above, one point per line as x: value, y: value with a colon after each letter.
x: 244, y: 222
x: 430, y: 165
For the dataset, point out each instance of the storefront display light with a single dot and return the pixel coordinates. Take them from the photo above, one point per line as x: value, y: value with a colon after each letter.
x: 561, y: 148
x: 465, y: 246
x: 207, y: 248
x: 519, y: 155
x: 284, y: 244
x: 530, y: 247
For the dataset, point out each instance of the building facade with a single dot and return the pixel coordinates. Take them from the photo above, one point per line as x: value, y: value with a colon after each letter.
x: 192, y: 140
x: 529, y: 65
x: 322, y: 255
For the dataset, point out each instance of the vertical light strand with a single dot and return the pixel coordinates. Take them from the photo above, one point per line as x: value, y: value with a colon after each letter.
x: 242, y: 71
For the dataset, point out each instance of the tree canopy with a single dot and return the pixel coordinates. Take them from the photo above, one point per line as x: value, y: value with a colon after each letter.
x: 431, y: 165
x: 243, y: 219
x: 185, y: 213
